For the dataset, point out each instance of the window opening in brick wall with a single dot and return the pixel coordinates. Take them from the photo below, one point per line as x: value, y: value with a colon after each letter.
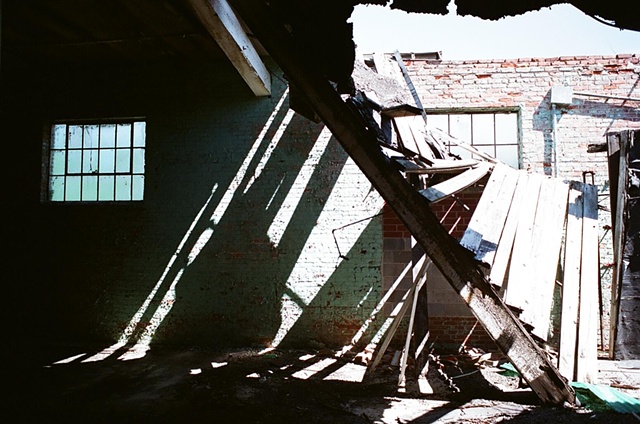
x: 95, y: 162
x: 495, y: 133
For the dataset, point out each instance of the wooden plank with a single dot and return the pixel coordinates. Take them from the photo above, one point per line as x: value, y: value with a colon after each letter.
x: 617, y: 157
x: 571, y: 284
x: 484, y: 231
x: 456, y: 265
x: 405, y: 137
x: 442, y: 166
x: 587, y: 355
x: 517, y: 287
x: 221, y: 22
x: 537, y: 266
x: 456, y: 184
x: 505, y: 246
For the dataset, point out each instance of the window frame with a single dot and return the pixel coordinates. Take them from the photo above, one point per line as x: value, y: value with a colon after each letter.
x: 485, y: 111
x: 83, y: 173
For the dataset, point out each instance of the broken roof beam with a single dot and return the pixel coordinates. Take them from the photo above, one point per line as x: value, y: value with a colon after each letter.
x: 221, y: 22
x: 455, y: 262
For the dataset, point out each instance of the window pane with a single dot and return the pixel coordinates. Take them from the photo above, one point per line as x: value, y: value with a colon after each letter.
x: 123, y: 135
x: 75, y: 136
x: 90, y: 137
x: 138, y: 187
x: 72, y: 189
x: 460, y: 127
x: 123, y: 160
x: 56, y: 188
x: 506, y: 128
x: 508, y: 155
x: 107, y: 161
x: 56, y: 167
x: 59, y: 136
x: 123, y: 187
x: 139, y: 133
x: 482, y: 128
x: 90, y: 161
x: 106, y: 188
x: 439, y: 121
x: 107, y: 136
x: 90, y: 188
x: 138, y: 161
x: 74, y: 161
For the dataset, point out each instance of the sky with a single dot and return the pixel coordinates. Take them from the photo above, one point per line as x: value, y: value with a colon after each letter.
x: 561, y: 30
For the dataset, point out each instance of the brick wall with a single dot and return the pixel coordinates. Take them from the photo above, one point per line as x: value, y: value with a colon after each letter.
x: 281, y: 209
x: 524, y: 85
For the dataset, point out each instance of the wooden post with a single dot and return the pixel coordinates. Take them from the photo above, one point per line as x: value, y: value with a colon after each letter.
x: 456, y: 263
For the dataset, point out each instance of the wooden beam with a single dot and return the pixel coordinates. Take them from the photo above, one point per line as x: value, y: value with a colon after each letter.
x: 456, y: 184
x: 587, y: 350
x: 221, y: 22
x: 571, y: 284
x: 455, y: 262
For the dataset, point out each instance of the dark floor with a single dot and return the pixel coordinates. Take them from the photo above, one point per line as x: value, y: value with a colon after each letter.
x: 248, y: 386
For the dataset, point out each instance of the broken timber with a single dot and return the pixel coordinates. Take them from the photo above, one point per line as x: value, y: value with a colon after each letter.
x: 454, y: 261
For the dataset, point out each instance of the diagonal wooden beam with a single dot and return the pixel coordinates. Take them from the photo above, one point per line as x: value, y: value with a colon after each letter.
x: 455, y: 262
x: 221, y: 22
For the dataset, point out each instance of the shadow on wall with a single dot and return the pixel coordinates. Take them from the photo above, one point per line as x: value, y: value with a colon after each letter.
x: 234, y: 243
x: 615, y: 114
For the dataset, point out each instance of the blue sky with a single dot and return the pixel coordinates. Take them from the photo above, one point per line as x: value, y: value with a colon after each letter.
x: 561, y: 30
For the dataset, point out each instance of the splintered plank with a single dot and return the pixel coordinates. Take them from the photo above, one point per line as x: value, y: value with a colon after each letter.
x: 587, y: 358
x: 411, y: 139
x: 456, y: 184
x: 444, y: 166
x: 503, y: 253
x: 571, y: 284
x: 536, y: 266
x: 484, y: 231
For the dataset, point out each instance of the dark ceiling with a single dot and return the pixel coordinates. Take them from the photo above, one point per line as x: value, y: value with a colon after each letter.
x: 102, y: 32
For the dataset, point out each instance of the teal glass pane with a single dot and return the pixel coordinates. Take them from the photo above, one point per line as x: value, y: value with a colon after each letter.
x: 72, y: 188
x: 58, y: 158
x: 106, y: 188
x: 56, y: 189
x: 59, y: 136
x: 123, y: 187
x: 90, y: 140
x: 74, y: 161
x: 123, y: 160
x: 90, y: 188
x: 139, y: 134
x: 75, y: 136
x: 107, y: 161
x: 107, y: 136
x: 123, y: 135
x: 138, y: 187
x: 90, y: 161
x: 138, y: 161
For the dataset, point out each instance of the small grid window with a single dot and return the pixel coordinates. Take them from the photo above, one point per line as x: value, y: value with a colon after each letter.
x: 96, y: 162
x: 494, y: 133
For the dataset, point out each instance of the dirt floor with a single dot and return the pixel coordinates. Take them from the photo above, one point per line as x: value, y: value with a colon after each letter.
x: 276, y: 386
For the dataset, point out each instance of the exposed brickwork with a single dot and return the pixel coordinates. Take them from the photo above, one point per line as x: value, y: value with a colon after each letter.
x: 524, y: 85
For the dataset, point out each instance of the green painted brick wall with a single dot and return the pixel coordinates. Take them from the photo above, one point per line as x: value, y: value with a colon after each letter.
x: 278, y: 199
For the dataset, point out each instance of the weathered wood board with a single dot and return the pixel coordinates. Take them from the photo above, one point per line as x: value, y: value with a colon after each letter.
x: 587, y: 354
x: 485, y: 229
x: 571, y: 284
x: 456, y: 184
x: 534, y: 268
